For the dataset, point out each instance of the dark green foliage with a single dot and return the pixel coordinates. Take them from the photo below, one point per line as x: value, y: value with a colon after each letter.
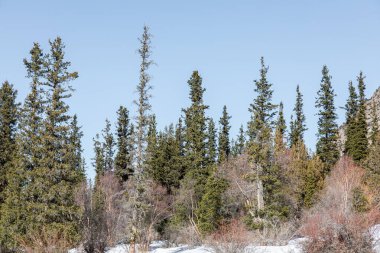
x: 10, y: 173
x: 239, y: 146
x: 98, y: 161
x: 108, y: 147
x: 327, y: 146
x: 209, y: 210
x: 224, y: 148
x: 312, y: 182
x: 196, y: 135
x: 124, y: 157
x: 55, y: 181
x: 211, y: 143
x: 298, y: 125
x: 351, y: 108
x: 260, y: 133
x: 164, y: 160
x: 8, y: 124
x: 279, y: 136
x: 359, y: 200
x: 360, y: 149
x: 75, y: 141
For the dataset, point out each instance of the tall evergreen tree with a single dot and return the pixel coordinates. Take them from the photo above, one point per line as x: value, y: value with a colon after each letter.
x: 260, y: 132
x: 211, y: 143
x: 224, y: 137
x: 360, y: 151
x: 327, y: 146
x: 8, y: 124
x: 351, y: 108
x: 11, y: 177
x: 108, y: 147
x: 55, y: 208
x: 32, y: 111
x: 239, y: 146
x: 143, y: 103
x: 196, y: 136
x: 298, y: 126
x: 75, y: 142
x: 279, y: 141
x: 123, y: 159
x: 98, y: 160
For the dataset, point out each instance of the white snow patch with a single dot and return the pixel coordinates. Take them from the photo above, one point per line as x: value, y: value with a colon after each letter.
x: 293, y: 246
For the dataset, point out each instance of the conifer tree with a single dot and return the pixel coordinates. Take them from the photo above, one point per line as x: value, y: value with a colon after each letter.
x: 165, y: 168
x: 143, y: 104
x: 209, y: 210
x: 10, y: 175
x: 327, y: 146
x: 123, y: 159
x: 239, y: 146
x: 259, y: 130
x: 98, y: 160
x: 8, y: 124
x: 297, y: 126
x: 28, y: 158
x: 196, y: 135
x: 224, y: 137
x: 279, y: 142
x: 211, y: 143
x: 32, y: 111
x: 360, y: 150
x: 108, y: 147
x: 55, y: 208
x: 75, y: 142
x: 351, y: 108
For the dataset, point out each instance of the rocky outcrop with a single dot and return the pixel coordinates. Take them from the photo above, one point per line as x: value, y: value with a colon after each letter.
x: 373, y: 101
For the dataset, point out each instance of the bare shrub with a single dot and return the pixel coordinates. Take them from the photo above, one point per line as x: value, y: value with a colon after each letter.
x: 333, y: 225
x: 231, y: 237
x: 103, y: 220
x: 45, y: 242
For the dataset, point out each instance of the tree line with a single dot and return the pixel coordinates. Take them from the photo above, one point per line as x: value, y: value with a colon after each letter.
x: 154, y: 183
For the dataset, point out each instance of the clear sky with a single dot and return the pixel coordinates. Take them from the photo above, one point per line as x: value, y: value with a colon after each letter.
x: 224, y: 40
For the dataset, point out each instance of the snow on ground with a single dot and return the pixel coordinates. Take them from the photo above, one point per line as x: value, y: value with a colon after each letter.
x: 293, y: 246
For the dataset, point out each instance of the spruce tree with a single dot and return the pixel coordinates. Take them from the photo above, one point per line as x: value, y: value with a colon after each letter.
x: 360, y: 150
x: 211, y: 143
x: 209, y: 210
x: 260, y: 130
x: 351, y: 108
x: 108, y: 147
x: 239, y: 146
x: 124, y: 159
x: 196, y: 135
x: 224, y: 148
x: 10, y: 174
x: 327, y: 144
x: 98, y: 160
x: 55, y: 209
x: 75, y: 142
x: 279, y: 141
x: 32, y: 113
x: 8, y: 125
x: 297, y: 126
x: 143, y: 103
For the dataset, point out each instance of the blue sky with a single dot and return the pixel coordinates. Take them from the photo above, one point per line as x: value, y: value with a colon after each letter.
x: 224, y: 40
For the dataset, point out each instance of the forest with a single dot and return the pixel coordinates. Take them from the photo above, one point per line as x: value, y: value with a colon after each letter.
x: 192, y: 182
